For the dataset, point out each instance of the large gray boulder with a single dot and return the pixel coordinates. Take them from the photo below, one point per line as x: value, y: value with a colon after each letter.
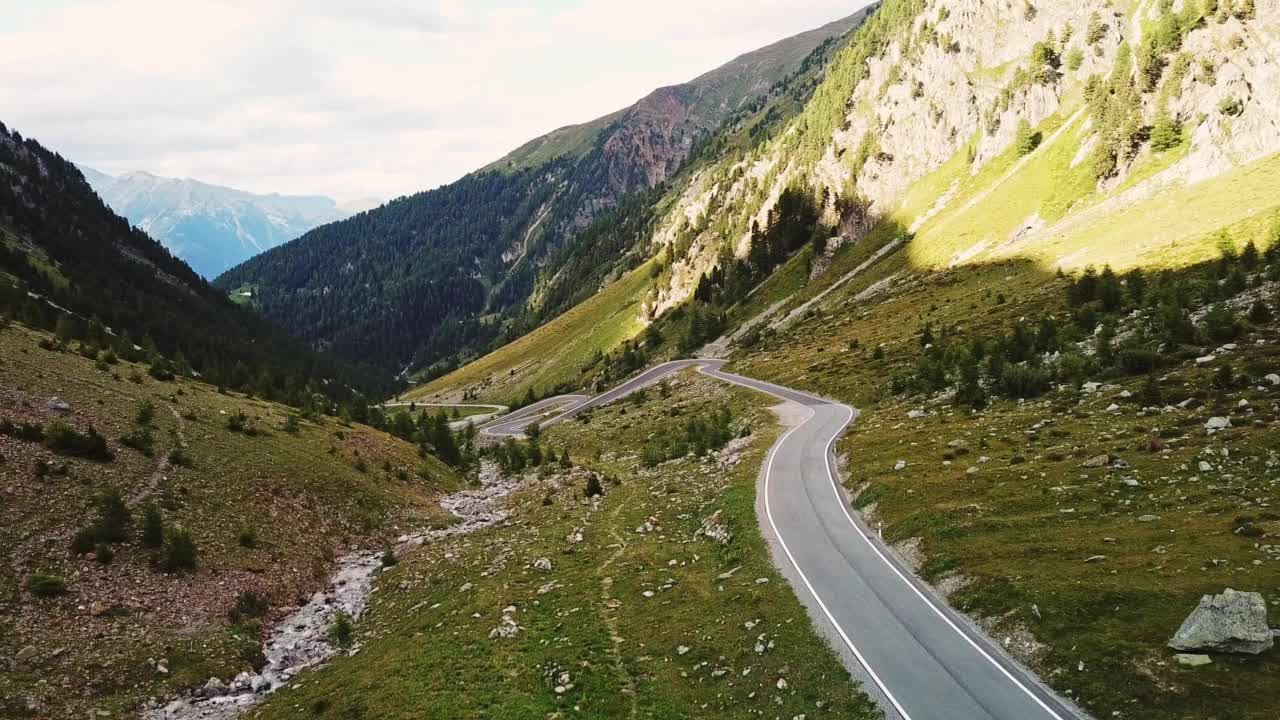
x: 1234, y: 622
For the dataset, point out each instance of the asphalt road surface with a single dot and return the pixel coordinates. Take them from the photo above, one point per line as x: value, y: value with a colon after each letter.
x: 928, y: 662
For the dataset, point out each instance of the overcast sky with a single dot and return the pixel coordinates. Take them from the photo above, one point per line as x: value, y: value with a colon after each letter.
x: 347, y: 98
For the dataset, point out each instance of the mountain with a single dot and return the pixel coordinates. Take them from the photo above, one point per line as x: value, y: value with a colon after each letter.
x: 213, y: 228
x: 69, y: 263
x: 939, y: 139
x: 1037, y: 245
x: 644, y: 143
x: 439, y: 276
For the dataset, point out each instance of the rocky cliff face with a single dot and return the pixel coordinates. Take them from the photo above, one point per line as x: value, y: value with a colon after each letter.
x: 650, y: 141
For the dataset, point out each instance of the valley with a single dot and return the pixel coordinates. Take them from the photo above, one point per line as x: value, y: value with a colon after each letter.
x: 601, y: 600
x: 922, y: 365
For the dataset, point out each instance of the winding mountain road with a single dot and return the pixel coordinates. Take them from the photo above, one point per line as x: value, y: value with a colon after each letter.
x: 927, y: 661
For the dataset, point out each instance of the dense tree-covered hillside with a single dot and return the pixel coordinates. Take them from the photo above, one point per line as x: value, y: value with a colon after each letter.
x: 415, y: 273
x: 70, y: 263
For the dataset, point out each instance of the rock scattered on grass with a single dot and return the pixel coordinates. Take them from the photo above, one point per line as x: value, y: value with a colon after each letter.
x: 1234, y: 622
x: 508, y: 627
x: 1190, y: 660
x: 715, y: 530
x: 1215, y: 424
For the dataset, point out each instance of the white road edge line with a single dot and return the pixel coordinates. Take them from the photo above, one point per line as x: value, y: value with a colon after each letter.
x: 835, y: 487
x: 768, y: 472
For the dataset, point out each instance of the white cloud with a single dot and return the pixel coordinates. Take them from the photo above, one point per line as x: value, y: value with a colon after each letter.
x: 382, y: 97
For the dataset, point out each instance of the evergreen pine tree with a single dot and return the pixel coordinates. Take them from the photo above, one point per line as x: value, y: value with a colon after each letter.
x: 1166, y: 132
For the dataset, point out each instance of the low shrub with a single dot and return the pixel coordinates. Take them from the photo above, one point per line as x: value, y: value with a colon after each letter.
x: 84, y: 540
x: 103, y: 553
x: 111, y: 526
x: 140, y: 439
x: 1138, y: 361
x: 343, y: 630
x: 161, y: 370
x: 46, y: 585
x: 146, y: 413
x: 65, y: 439
x: 1221, y: 325
x: 249, y: 604
x: 29, y: 432
x: 251, y: 653
x: 152, y: 527
x: 1022, y: 381
x: 181, y: 457
x: 114, y: 517
x: 179, y: 551
x: 1260, y: 313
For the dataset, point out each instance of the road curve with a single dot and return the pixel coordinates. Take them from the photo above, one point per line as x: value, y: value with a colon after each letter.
x: 456, y: 425
x: 513, y: 424
x: 928, y: 661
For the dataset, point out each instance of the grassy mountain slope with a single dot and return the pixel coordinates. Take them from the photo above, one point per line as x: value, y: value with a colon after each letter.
x: 571, y: 140
x: 559, y: 354
x: 268, y: 509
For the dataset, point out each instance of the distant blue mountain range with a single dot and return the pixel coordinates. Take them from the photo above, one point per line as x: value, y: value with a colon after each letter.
x: 213, y: 228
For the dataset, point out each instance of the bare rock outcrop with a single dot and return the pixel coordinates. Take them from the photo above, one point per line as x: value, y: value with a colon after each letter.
x: 1234, y: 622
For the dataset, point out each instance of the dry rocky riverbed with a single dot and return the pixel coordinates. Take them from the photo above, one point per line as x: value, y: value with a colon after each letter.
x: 302, y: 640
